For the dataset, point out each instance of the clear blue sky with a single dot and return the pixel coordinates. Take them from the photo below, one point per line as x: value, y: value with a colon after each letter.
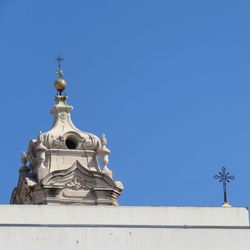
x: 167, y: 81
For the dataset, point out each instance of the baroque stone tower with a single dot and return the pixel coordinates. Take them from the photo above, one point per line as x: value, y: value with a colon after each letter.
x: 61, y: 165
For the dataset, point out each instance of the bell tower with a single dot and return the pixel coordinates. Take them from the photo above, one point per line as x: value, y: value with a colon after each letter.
x: 61, y: 165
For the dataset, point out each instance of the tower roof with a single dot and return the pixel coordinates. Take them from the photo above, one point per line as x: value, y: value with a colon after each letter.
x: 63, y: 164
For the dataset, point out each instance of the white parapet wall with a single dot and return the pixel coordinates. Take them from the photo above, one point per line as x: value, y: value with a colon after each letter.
x: 118, y: 227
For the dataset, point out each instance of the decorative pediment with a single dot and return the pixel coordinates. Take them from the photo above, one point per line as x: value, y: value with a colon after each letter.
x: 65, y: 177
x: 77, y: 177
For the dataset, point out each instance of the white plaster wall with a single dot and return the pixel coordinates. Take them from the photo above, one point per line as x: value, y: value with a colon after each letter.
x: 127, y: 215
x: 33, y: 238
x: 131, y: 228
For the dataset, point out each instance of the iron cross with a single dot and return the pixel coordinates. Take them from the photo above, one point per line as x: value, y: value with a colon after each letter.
x: 225, y: 178
x: 59, y: 59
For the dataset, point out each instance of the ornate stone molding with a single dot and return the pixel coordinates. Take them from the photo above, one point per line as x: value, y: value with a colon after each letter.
x: 61, y: 165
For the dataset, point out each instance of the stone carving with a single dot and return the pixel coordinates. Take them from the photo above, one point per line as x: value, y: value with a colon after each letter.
x: 75, y: 183
x: 104, y: 153
x: 63, y: 166
x: 88, y: 144
x: 63, y: 115
x: 24, y: 159
x: 40, y: 169
x: 23, y: 170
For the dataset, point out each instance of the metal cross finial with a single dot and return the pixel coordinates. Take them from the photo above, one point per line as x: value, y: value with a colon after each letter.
x: 225, y: 178
x: 59, y: 72
x: 59, y: 59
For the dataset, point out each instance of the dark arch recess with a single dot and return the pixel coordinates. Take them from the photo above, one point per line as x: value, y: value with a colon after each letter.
x: 71, y: 143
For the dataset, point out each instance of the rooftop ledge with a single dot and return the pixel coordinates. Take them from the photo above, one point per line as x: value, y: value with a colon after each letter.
x: 122, y: 216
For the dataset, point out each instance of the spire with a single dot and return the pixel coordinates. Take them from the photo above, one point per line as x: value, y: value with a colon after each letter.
x: 60, y: 84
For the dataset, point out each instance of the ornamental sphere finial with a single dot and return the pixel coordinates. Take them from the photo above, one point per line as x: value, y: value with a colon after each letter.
x: 60, y: 84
